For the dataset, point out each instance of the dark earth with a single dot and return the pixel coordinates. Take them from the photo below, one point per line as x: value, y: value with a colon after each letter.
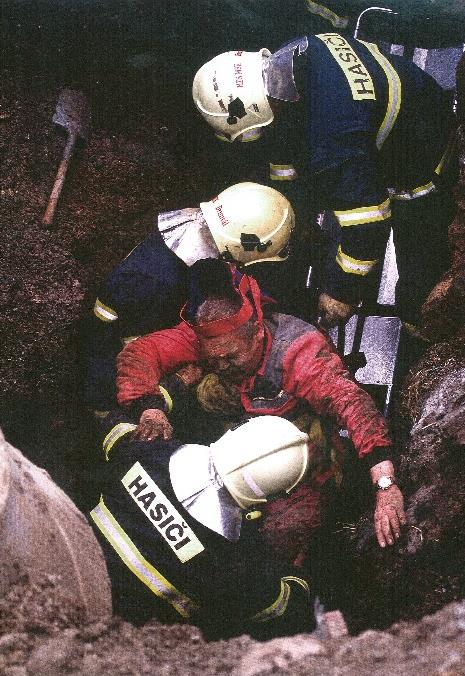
x: 148, y: 151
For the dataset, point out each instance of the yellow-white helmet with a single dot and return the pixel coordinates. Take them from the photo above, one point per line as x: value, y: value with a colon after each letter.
x: 229, y: 92
x: 250, y: 223
x: 263, y: 457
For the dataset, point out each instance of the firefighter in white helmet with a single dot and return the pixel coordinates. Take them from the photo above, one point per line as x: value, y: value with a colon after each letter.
x: 262, y: 235
x: 370, y: 165
x: 179, y: 528
x: 245, y: 223
x: 265, y: 456
x: 229, y: 93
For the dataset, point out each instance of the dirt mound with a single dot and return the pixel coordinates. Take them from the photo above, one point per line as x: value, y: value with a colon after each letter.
x: 38, y: 637
x: 439, y: 360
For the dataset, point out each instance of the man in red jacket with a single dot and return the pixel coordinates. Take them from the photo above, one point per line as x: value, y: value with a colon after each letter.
x: 273, y: 365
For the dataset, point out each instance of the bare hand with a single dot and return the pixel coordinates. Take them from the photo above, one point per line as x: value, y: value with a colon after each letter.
x: 153, y: 424
x: 332, y: 311
x: 191, y: 374
x: 389, y: 515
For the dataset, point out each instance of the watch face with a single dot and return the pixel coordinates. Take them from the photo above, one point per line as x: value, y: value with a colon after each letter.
x: 385, y: 482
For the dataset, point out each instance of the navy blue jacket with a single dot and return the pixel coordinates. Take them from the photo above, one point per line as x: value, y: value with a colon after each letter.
x: 369, y: 130
x: 160, y: 558
x: 143, y: 293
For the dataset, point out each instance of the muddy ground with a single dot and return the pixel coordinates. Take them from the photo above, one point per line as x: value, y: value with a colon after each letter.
x: 38, y: 637
x: 149, y: 151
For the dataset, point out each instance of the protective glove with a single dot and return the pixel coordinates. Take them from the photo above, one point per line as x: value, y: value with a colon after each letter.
x: 332, y: 311
x: 153, y: 424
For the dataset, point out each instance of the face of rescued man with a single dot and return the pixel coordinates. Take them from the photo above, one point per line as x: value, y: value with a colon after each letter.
x: 234, y: 355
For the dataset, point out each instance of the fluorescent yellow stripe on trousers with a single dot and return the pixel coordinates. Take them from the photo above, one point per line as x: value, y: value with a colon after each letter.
x: 137, y: 564
x: 394, y: 97
x: 361, y: 215
x: 277, y: 608
x: 354, y: 266
x: 115, y: 435
x: 299, y: 581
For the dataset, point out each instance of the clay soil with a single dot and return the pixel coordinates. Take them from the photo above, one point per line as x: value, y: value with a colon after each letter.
x: 147, y: 152
x: 39, y: 636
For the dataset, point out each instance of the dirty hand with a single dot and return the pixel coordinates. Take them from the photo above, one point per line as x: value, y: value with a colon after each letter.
x: 332, y: 311
x: 191, y: 374
x: 153, y: 424
x: 389, y: 515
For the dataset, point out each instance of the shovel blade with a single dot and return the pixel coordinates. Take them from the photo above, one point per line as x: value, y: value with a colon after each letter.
x: 73, y: 113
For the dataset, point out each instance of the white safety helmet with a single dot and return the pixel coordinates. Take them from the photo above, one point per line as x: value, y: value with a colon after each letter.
x: 229, y: 91
x: 264, y: 457
x: 250, y: 223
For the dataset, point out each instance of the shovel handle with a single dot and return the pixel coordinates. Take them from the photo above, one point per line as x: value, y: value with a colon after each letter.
x: 59, y: 180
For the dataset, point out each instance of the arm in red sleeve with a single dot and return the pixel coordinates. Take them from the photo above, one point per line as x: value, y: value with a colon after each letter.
x: 313, y: 371
x: 144, y: 361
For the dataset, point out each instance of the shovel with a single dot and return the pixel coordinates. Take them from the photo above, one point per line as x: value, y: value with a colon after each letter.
x: 73, y: 114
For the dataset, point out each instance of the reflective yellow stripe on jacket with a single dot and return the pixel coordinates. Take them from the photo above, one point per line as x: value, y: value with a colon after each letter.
x: 103, y: 312
x: 282, y: 172
x: 128, y: 339
x: 394, y: 93
x: 361, y: 215
x: 279, y: 606
x: 419, y: 191
x: 353, y: 265
x: 137, y: 564
x: 115, y: 435
x: 443, y: 162
x: 422, y: 190
x: 167, y: 397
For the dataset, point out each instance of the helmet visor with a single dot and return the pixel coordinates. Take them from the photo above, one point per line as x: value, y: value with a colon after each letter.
x: 201, y: 492
x: 279, y: 71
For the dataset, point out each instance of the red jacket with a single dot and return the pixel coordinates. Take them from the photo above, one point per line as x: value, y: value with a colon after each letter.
x: 299, y: 365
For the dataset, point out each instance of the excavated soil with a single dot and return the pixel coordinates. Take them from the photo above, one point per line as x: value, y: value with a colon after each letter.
x: 40, y: 637
x: 148, y: 151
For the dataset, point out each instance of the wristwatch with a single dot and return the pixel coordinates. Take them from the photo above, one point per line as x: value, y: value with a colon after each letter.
x: 384, y: 482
